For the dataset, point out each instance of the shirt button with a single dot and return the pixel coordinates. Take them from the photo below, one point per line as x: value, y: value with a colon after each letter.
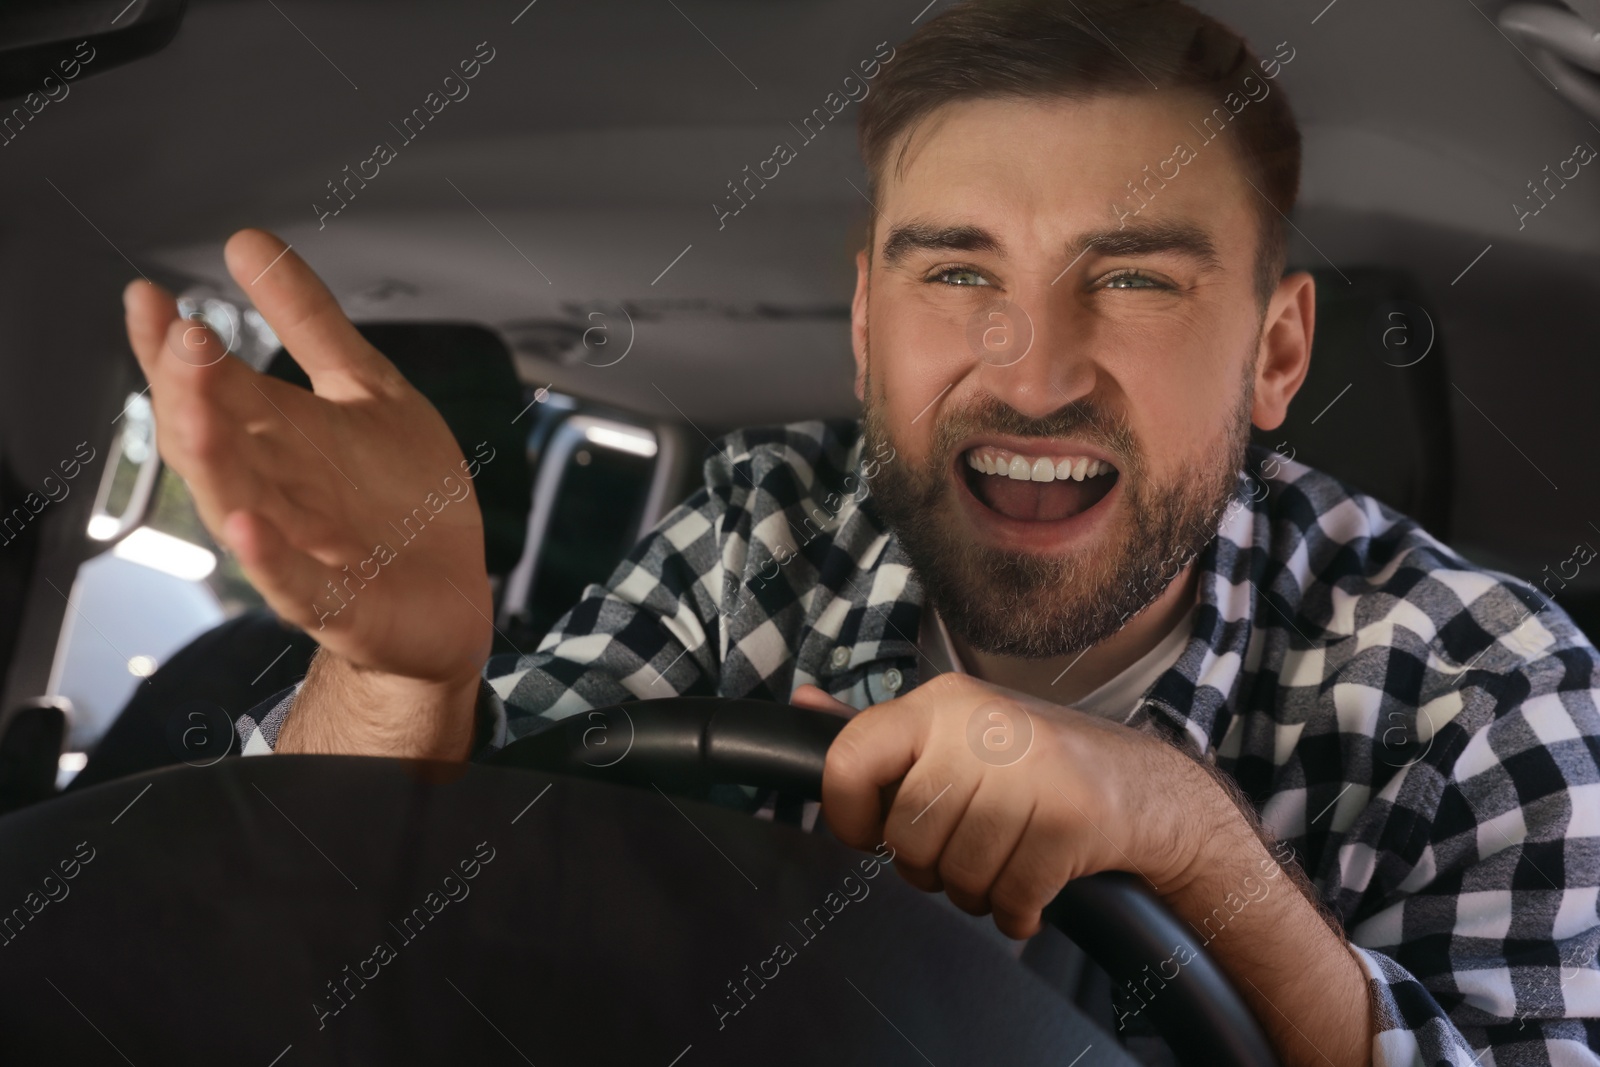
x: 892, y: 680
x: 840, y: 658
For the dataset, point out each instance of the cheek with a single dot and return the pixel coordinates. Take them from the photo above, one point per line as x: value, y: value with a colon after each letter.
x: 918, y: 357
x: 1179, y: 383
x: 915, y: 339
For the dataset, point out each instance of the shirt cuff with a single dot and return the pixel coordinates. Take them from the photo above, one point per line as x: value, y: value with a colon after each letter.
x: 258, y: 728
x: 490, y: 715
x: 1410, y: 1028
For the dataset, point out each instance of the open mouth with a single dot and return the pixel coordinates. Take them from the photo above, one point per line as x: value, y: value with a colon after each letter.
x: 1035, y: 488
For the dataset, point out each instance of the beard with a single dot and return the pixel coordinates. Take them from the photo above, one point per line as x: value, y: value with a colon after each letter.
x: 1014, y: 603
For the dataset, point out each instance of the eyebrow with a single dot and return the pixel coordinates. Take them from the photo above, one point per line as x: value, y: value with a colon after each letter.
x: 1144, y: 239
x: 919, y: 235
x: 1139, y: 239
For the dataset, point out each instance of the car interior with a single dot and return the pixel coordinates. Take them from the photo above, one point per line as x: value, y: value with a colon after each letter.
x: 546, y: 261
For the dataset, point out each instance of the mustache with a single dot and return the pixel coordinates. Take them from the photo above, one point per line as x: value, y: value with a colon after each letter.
x: 1083, y: 419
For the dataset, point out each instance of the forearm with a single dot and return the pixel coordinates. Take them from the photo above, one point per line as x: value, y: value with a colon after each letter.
x: 1291, y: 965
x: 348, y: 710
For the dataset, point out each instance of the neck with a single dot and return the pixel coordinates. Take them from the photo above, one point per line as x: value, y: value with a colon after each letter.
x: 1064, y: 679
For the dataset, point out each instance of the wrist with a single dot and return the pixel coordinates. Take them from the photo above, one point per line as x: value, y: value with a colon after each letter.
x: 412, y: 712
x: 349, y: 709
x: 1205, y: 834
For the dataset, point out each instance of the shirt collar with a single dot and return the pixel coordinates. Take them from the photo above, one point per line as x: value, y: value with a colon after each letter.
x: 1194, y: 697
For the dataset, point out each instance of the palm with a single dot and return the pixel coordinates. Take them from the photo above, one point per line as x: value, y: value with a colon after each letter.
x: 349, y: 508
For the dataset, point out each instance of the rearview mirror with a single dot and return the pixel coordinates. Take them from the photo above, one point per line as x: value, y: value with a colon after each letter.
x: 127, y: 485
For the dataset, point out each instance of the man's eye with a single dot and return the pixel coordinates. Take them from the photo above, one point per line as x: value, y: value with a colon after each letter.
x: 1134, y: 279
x: 959, y: 276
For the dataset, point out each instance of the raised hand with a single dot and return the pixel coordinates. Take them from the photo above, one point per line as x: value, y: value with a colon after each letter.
x: 349, y: 508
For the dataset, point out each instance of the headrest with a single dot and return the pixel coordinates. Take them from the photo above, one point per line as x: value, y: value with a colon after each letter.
x: 1374, y: 410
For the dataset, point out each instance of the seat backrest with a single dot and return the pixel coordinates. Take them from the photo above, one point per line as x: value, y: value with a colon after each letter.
x: 1374, y: 410
x: 30, y: 751
x: 602, y: 482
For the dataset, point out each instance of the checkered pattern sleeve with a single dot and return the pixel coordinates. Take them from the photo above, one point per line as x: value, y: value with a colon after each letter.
x: 1479, y: 864
x: 724, y: 597
x: 1424, y: 733
x: 650, y: 631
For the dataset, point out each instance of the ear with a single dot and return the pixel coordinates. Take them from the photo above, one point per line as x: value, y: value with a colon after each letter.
x: 858, y: 323
x: 1285, y: 353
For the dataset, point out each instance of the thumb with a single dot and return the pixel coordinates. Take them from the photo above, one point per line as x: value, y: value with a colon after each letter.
x: 809, y: 696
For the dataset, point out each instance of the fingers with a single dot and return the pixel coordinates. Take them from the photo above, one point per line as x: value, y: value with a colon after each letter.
x: 290, y: 581
x: 225, y: 429
x: 930, y: 804
x: 1031, y: 877
x: 173, y: 351
x: 147, y: 310
x: 875, y: 748
x: 982, y: 842
x: 304, y: 315
x: 810, y: 696
x: 202, y: 401
x: 960, y: 817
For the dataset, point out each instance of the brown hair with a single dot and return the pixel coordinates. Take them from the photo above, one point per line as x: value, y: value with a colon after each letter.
x: 1083, y: 48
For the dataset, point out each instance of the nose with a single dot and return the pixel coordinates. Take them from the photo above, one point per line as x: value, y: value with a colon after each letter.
x: 1032, y: 350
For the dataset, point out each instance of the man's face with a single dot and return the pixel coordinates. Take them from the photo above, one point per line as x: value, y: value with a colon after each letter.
x: 1014, y: 335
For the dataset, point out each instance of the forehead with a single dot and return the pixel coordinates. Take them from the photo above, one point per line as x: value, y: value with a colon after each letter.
x: 1055, y: 166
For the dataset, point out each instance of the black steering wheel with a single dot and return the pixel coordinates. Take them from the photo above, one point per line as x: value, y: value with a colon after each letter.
x: 300, y: 910
x: 686, y: 745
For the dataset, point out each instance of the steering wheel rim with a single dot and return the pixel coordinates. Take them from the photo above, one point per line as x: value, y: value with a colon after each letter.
x: 688, y: 744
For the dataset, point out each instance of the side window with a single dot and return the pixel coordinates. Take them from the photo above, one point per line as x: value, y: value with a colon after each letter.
x: 173, y: 513
x: 161, y: 582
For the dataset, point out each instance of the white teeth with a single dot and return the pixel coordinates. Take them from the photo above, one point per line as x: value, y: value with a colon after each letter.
x: 1037, y: 468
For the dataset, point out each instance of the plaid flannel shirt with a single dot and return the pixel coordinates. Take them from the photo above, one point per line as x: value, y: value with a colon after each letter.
x: 1423, y: 732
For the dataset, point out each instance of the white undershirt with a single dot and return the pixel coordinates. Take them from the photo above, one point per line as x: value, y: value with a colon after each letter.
x: 1113, y: 700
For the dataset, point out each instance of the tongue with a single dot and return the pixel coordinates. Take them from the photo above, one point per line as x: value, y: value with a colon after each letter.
x: 1039, y: 501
